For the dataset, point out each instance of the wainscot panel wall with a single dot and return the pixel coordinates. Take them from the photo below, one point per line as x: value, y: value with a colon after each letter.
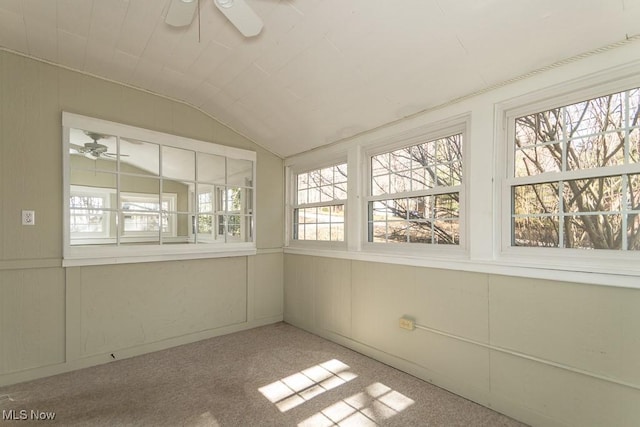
x: 545, y: 352
x: 54, y: 319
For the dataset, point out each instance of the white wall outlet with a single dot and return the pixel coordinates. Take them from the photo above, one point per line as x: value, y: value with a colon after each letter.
x: 28, y: 217
x: 407, y: 323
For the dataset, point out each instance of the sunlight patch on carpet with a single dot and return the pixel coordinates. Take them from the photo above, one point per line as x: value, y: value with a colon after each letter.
x: 376, y: 403
x: 294, y: 390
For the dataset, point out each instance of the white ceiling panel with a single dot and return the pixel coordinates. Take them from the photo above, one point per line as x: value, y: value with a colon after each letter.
x: 71, y: 49
x: 13, y: 32
x: 42, y: 39
x: 74, y: 16
x: 45, y: 12
x: 138, y: 26
x: 320, y: 71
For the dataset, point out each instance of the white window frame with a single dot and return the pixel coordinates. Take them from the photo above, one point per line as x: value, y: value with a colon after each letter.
x: 567, y: 259
x: 78, y: 255
x: 292, y: 173
x: 456, y: 125
x: 357, y: 156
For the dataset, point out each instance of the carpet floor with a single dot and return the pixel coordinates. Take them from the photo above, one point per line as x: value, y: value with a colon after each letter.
x: 276, y: 375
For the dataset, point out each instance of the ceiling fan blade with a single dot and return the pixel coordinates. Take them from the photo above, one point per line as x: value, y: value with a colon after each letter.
x: 241, y: 16
x: 180, y: 13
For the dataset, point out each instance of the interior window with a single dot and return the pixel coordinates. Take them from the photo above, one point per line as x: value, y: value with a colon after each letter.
x: 129, y: 187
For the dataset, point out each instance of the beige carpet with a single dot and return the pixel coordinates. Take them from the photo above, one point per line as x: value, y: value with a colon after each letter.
x: 276, y: 375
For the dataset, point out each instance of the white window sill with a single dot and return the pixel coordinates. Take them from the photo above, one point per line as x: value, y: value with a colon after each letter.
x: 507, y: 265
x: 76, y: 256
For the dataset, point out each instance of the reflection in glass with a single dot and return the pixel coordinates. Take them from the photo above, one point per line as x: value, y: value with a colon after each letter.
x: 178, y: 164
x: 239, y: 172
x: 128, y: 191
x: 211, y: 168
x: 139, y: 157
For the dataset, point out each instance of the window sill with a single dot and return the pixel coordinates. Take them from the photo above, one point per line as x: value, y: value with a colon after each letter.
x: 506, y: 265
x: 77, y: 256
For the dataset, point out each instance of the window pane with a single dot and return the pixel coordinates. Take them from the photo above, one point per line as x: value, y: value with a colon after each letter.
x: 449, y: 149
x: 423, y: 154
x: 420, y: 180
x: 139, y: 157
x: 536, y: 231
x: 340, y: 173
x: 99, y: 180
x: 593, y: 231
x: 206, y: 199
x: 420, y: 232
x: 538, y: 128
x: 595, y: 116
x: 448, y: 175
x: 400, y: 182
x: 178, y: 164
x: 182, y: 224
x: 337, y: 214
x: 142, y: 222
x: 303, y: 181
x: 138, y: 184
x: 302, y: 197
x: 593, y: 195
x: 205, y: 227
x: 447, y: 206
x: 337, y: 232
x: 211, y: 168
x: 397, y: 231
x: 89, y: 222
x: 380, y: 164
x: 596, y: 151
x: 380, y: 185
x: 378, y: 232
x: 181, y: 191
x: 537, y: 160
x: 535, y: 199
x: 239, y: 172
x: 400, y: 160
x: 447, y: 232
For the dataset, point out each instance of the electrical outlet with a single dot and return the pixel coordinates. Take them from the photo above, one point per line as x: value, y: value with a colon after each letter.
x: 28, y: 217
x: 408, y: 324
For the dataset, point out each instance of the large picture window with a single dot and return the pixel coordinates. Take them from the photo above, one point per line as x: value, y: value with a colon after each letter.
x: 415, y: 193
x: 575, y: 177
x: 319, y: 208
x: 131, y: 187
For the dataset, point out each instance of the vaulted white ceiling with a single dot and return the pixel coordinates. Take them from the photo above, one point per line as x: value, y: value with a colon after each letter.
x: 321, y: 70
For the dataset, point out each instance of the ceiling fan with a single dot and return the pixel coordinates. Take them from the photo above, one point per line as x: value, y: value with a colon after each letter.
x: 94, y: 150
x: 238, y: 12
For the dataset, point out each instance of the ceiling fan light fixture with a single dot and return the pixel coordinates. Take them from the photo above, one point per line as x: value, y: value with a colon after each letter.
x: 224, y: 3
x: 187, y: 1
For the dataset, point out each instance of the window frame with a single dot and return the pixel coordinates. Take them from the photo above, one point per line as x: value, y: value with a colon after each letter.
x: 608, y: 261
x: 450, y: 127
x: 78, y: 255
x: 292, y: 173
